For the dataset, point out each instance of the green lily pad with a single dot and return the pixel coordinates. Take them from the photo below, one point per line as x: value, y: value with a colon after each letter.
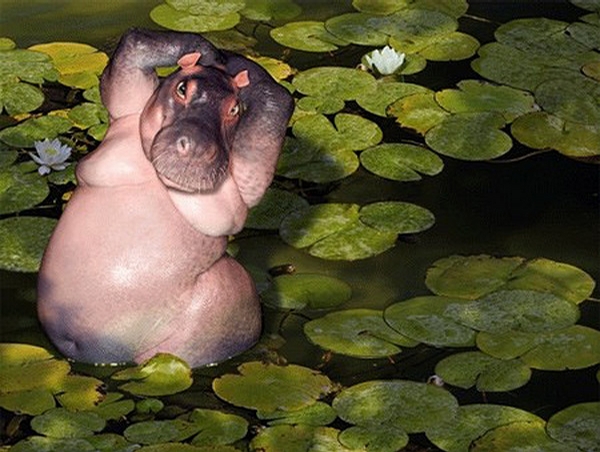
x: 114, y: 407
x: 207, y: 7
x: 62, y: 423
x: 423, y: 320
x: 473, y: 421
x: 332, y: 81
x: 21, y: 188
x: 268, y: 387
x: 16, y: 97
x: 273, y: 208
x: 454, y: 8
x: 306, y: 290
x: 470, y: 136
x: 477, y: 96
x: 470, y: 276
x: 162, y: 374
x: 385, y: 94
x: 231, y: 40
x: 298, y: 438
x: 401, y: 161
x: 319, y: 413
x: 541, y: 130
x: 111, y: 442
x: 88, y: 114
x: 414, y: 407
x: 517, y: 437
x: 355, y: 28
x: 360, y: 333
x: 156, y: 432
x: 454, y: 46
x: 265, y: 10
x: 381, y: 7
x: 397, y: 217
x: 515, y: 310
x: 26, y: 66
x: 381, y: 438
x: 323, y: 105
x: 30, y: 401
x: 419, y: 112
x: 577, y: 425
x: 23, y: 241
x: 278, y: 69
x: 575, y: 102
x: 217, y: 427
x: 174, y: 19
x: 148, y: 406
x: 34, y: 129
x: 590, y: 5
x: 44, y: 444
x: 79, y: 392
x: 7, y: 44
x: 309, y: 36
x: 487, y: 373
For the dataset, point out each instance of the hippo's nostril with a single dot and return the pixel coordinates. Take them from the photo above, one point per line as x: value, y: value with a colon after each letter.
x: 183, y: 145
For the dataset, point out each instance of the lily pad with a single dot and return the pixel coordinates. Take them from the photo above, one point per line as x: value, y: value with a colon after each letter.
x: 273, y: 208
x: 577, y: 425
x: 35, y: 129
x: 306, y: 290
x: 319, y: 413
x: 298, y: 438
x: 207, y: 7
x: 21, y: 188
x: 401, y: 161
x: 381, y: 438
x: 79, y: 392
x: 385, y: 94
x: 323, y: 105
x: 470, y: 276
x: 487, y: 373
x: 309, y: 36
x: 333, y: 81
x: 382, y: 7
x: 23, y: 241
x: 423, y: 320
x: 470, y: 136
x: 26, y: 66
x: 477, y: 96
x: 42, y: 443
x: 16, y: 97
x: 265, y: 10
x: 175, y: 19
x: 217, y: 427
x: 454, y: 46
x: 355, y: 28
x: 114, y: 407
x: 515, y: 310
x: 414, y: 407
x: 88, y: 114
x: 472, y: 421
x: 575, y: 102
x: 397, y: 217
x: 419, y: 112
x: 163, y: 374
x: 62, y: 423
x: 268, y: 387
x: 360, y: 333
x: 156, y: 432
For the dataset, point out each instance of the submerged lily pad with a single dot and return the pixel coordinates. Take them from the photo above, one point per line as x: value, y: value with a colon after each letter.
x: 162, y: 374
x: 62, y: 423
x: 306, y: 290
x: 472, y: 421
x: 423, y: 320
x: 361, y: 333
x: 487, y: 373
x: 414, y: 407
x: 577, y: 425
x: 309, y: 36
x: 401, y: 161
x: 268, y: 387
x: 23, y: 241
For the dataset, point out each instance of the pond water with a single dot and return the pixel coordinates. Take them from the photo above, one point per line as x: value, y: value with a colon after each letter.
x: 542, y: 206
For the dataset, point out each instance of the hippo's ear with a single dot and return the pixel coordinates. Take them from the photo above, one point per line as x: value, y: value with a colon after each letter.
x: 189, y: 60
x: 241, y: 80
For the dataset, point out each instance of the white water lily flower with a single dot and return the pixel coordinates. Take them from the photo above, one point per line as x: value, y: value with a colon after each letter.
x: 385, y: 61
x: 51, y: 155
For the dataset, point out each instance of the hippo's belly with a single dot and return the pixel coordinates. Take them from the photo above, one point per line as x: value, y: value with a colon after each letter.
x: 117, y: 270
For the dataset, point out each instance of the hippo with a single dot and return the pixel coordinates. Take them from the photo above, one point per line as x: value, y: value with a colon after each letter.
x: 137, y: 264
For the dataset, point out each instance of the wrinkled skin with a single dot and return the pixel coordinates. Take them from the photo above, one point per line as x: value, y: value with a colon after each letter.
x: 137, y: 263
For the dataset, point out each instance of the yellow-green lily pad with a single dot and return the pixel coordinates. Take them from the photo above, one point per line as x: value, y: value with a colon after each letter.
x: 354, y: 27
x: 577, y: 425
x: 207, y: 7
x: 454, y: 46
x: 17, y: 97
x: 156, y: 432
x: 265, y: 10
x: 309, y: 36
x: 269, y: 387
x: 23, y: 241
x: 45, y: 444
x: 401, y: 161
x: 333, y: 81
x: 380, y: 7
x: 360, y: 333
x: 487, y: 373
x: 26, y: 66
x: 385, y: 94
x: 419, y: 111
x: 178, y: 20
x: 397, y: 217
x: 381, y: 438
x: 62, y: 423
x: 218, y: 428
x: 298, y: 438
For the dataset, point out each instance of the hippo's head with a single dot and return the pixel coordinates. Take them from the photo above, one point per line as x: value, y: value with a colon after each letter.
x: 189, y: 124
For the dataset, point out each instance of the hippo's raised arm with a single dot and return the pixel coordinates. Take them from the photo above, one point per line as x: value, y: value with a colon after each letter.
x: 129, y: 80
x: 267, y: 107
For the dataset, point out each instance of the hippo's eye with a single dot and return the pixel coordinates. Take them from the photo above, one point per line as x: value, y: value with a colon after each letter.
x: 181, y: 89
x: 235, y: 110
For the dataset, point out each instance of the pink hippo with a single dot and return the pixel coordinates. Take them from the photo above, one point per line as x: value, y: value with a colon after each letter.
x: 137, y: 263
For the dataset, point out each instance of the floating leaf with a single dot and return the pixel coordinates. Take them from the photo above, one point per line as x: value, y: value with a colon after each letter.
x: 27, y: 66
x: 88, y: 114
x: 23, y: 241
x: 355, y: 28
x: 470, y: 276
x: 323, y: 105
x: 79, y: 392
x: 35, y: 129
x: 268, y: 387
x: 16, y: 97
x: 577, y: 425
x: 515, y: 310
x: 276, y: 68
x: 361, y: 333
x: 401, y: 161
x: 306, y: 290
x: 332, y: 81
x: 383, y: 7
x: 382, y: 438
x: 575, y: 102
x: 162, y: 374
x: 397, y: 217
x: 114, y: 407
x: 174, y: 19
x: 21, y: 188
x: 309, y: 36
x: 207, y: 7
x: 487, y: 373
x: 273, y: 207
x: 419, y: 112
x: 298, y: 438
x: 111, y: 442
x: 472, y: 421
x: 454, y: 8
x: 470, y: 136
x: 156, y: 432
x: 62, y: 423
x: 423, y: 320
x: 519, y: 436
x: 451, y: 47
x: 30, y: 401
x: 319, y: 413
x: 217, y: 427
x: 41, y: 443
x: 265, y: 10
x: 414, y: 407
x: 385, y: 94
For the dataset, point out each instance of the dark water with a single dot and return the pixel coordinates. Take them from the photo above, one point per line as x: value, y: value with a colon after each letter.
x: 544, y: 206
